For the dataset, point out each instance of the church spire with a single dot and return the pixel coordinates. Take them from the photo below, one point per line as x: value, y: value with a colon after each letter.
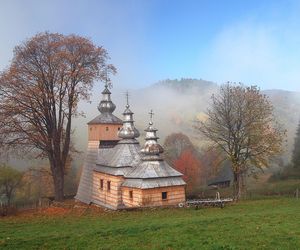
x: 106, y: 105
x: 128, y: 130
x: 152, y: 149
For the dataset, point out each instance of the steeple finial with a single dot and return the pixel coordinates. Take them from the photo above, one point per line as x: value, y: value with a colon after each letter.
x: 127, y: 99
x: 151, y: 117
x: 106, y: 79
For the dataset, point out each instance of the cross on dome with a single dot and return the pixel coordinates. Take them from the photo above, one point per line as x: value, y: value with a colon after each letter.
x: 151, y: 117
x: 106, y: 79
x: 127, y: 99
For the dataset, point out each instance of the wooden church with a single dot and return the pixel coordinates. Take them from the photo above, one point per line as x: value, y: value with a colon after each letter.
x: 118, y: 172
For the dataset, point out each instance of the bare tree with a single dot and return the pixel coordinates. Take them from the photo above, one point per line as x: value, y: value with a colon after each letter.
x: 241, y: 123
x: 40, y: 91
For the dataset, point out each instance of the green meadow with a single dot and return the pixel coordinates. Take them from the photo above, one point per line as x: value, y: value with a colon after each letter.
x: 272, y: 223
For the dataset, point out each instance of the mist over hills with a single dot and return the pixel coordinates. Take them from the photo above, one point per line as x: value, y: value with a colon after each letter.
x: 176, y: 104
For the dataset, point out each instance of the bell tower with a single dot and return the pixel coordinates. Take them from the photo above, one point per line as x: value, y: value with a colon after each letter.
x: 105, y: 127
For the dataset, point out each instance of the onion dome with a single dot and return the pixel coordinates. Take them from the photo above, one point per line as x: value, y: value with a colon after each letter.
x: 152, y: 147
x: 106, y: 108
x: 128, y: 130
x: 106, y: 105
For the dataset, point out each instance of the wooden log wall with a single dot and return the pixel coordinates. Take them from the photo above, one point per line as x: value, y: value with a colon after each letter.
x: 153, y: 196
x: 102, y: 196
x: 137, y: 196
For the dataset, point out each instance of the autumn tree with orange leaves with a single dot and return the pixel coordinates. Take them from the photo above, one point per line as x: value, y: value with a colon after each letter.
x: 190, y: 166
x: 181, y: 153
x: 39, y: 94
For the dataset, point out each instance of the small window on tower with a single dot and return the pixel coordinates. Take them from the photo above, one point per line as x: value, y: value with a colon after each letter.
x: 130, y: 194
x: 106, y: 128
x: 108, y: 185
x: 164, y: 195
x: 119, y: 128
x: 101, y: 183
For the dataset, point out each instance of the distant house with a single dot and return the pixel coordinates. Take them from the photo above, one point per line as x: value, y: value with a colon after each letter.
x: 118, y: 172
x: 223, y: 178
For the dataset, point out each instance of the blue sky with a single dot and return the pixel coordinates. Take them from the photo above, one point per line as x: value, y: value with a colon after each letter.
x: 254, y: 42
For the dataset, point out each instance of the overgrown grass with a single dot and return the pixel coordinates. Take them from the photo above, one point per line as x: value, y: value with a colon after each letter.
x: 261, y: 224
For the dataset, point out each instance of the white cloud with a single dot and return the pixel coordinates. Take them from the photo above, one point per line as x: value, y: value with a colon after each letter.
x: 255, y: 54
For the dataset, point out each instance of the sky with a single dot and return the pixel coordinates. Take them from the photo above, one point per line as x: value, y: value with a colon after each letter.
x: 254, y: 42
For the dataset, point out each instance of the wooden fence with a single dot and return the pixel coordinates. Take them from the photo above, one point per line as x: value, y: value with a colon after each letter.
x: 14, y: 207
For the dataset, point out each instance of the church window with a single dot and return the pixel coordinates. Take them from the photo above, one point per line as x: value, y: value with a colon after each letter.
x: 119, y: 128
x: 108, y: 185
x: 164, y: 195
x: 130, y: 194
x: 101, y: 183
x: 106, y: 128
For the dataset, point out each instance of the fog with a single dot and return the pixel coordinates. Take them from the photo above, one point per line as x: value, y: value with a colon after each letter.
x: 176, y: 104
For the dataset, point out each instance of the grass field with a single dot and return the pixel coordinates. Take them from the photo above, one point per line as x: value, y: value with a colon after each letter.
x: 257, y: 224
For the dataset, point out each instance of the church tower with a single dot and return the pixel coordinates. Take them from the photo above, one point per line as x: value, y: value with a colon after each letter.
x: 104, y: 128
x: 102, y: 134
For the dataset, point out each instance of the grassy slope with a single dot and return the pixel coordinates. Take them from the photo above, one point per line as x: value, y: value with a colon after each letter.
x: 261, y: 224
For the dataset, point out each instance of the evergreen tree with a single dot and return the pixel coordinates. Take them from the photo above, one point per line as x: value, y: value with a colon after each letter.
x: 296, y: 152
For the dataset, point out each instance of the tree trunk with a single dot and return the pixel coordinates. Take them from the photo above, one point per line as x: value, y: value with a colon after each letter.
x: 8, y: 201
x: 58, y: 180
x: 237, y: 186
x: 8, y: 192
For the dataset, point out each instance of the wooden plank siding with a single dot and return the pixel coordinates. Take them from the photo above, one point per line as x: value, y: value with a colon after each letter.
x: 137, y: 197
x: 112, y: 197
x: 97, y: 132
x: 153, y: 197
x: 84, y: 192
